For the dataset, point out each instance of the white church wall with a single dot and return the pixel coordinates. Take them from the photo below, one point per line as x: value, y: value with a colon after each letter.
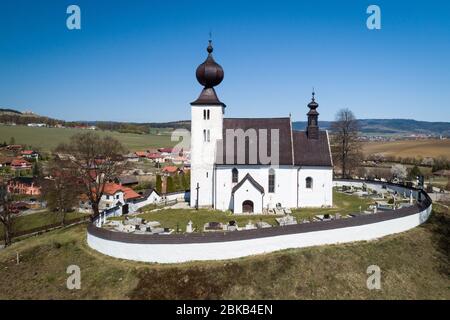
x: 321, y: 193
x: 285, y: 185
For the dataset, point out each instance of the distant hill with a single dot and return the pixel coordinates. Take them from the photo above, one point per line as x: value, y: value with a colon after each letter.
x: 369, y: 127
x: 401, y: 127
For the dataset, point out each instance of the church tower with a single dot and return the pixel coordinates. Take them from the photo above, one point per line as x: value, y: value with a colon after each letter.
x: 206, y: 128
x: 312, y: 130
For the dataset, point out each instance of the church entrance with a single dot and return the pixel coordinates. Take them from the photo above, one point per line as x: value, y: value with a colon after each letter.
x: 247, y: 206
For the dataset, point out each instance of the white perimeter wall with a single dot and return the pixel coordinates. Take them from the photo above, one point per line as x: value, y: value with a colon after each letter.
x: 173, y: 253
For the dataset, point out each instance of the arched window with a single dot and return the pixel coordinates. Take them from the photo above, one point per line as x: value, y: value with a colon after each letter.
x: 207, y: 114
x: 271, y: 180
x: 208, y: 136
x: 204, y: 135
x: 204, y: 114
x: 309, y: 183
x: 234, y: 175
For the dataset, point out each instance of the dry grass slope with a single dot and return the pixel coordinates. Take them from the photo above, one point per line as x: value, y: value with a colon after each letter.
x: 414, y: 264
x: 410, y: 148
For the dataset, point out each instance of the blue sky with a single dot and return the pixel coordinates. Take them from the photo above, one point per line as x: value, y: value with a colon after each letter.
x: 135, y: 60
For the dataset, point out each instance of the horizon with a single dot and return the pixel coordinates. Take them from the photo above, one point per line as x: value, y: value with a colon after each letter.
x: 145, y: 56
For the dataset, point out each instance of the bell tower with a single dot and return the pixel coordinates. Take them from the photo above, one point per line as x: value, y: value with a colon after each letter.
x: 312, y: 130
x: 206, y: 128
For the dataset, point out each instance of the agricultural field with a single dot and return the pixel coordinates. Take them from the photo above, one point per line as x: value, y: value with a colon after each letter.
x: 433, y: 148
x: 46, y: 139
x: 414, y: 265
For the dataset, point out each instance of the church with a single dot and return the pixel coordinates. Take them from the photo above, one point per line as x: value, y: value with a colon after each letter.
x: 252, y: 165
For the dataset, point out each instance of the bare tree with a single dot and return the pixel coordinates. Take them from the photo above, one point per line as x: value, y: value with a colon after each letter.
x: 399, y: 171
x: 346, y: 147
x: 6, y: 213
x: 96, y: 161
x: 62, y: 188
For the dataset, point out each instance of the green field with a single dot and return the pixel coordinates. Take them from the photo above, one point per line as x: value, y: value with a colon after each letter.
x: 46, y: 139
x: 39, y: 220
x: 414, y: 265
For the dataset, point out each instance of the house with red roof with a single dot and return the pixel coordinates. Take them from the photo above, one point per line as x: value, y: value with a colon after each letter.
x: 29, y: 154
x: 141, y: 154
x: 24, y: 186
x: 114, y: 195
x: 20, y: 164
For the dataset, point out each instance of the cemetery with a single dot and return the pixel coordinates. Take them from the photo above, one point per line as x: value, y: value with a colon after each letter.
x: 370, y: 209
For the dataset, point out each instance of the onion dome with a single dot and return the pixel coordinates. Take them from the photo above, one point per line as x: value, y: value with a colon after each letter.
x: 313, y: 104
x: 209, y: 74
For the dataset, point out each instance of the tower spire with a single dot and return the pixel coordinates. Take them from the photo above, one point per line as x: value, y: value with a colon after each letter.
x: 312, y: 130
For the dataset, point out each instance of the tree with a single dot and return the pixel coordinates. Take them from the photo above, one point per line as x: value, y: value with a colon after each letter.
x: 158, y: 184
x: 6, y: 213
x: 346, y: 148
x: 170, y: 185
x: 414, y: 173
x: 399, y: 171
x: 61, y: 189
x: 36, y: 170
x: 96, y: 160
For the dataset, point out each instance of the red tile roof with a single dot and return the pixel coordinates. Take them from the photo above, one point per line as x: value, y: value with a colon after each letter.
x: 141, y: 153
x: 170, y: 169
x: 113, y: 188
x: 154, y: 156
x: 20, y: 162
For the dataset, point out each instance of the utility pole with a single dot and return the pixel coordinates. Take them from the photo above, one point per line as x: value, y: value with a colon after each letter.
x: 196, y: 200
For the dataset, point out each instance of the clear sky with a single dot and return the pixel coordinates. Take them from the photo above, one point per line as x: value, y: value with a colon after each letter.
x: 135, y: 60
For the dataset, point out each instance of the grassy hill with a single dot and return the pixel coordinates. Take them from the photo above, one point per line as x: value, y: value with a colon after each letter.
x: 414, y: 265
x: 45, y: 139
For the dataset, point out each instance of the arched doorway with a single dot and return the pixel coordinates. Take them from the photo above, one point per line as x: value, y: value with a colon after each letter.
x: 247, y: 206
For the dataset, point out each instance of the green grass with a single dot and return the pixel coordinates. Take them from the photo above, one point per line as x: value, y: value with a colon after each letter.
x: 38, y: 220
x: 46, y: 139
x: 169, y: 218
x: 414, y: 265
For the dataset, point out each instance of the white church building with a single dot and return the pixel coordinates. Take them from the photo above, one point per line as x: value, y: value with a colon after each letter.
x: 250, y: 165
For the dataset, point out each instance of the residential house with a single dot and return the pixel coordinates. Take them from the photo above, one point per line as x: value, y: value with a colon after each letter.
x: 30, y: 154
x: 155, y: 157
x: 141, y: 154
x: 20, y: 164
x: 24, y: 186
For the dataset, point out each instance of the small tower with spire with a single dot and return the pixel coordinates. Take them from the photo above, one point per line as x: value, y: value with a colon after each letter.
x: 312, y: 130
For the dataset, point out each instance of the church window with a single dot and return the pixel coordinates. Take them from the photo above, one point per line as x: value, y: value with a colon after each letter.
x: 204, y: 135
x: 204, y: 114
x: 208, y: 135
x: 309, y: 183
x: 235, y: 175
x: 271, y: 180
x: 207, y: 114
